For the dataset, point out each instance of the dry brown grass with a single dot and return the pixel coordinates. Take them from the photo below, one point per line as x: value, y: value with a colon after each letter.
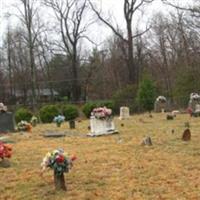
x: 113, y: 167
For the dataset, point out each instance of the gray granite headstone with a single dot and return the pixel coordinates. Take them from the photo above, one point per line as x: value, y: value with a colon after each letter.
x: 7, y: 123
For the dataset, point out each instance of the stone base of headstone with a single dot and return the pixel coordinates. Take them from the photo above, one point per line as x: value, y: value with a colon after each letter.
x: 59, y: 182
x: 170, y: 117
x: 195, y: 114
x: 186, y: 135
x: 102, y: 133
x: 4, y: 163
x: 147, y: 141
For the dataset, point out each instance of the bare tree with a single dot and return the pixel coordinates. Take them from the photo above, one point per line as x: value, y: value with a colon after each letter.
x: 129, y: 9
x: 70, y: 14
x: 29, y: 16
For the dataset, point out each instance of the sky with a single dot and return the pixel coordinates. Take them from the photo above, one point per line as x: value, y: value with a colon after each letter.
x: 114, y: 7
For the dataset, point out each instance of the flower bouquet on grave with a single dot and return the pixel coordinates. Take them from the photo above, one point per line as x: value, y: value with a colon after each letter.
x: 59, y: 120
x: 5, y: 152
x: 102, y: 113
x: 34, y: 121
x: 24, y: 126
x: 161, y: 99
x: 61, y: 163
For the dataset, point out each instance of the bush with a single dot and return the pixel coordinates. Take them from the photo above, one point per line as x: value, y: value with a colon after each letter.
x: 70, y: 112
x: 48, y: 112
x: 146, y: 94
x: 108, y: 104
x: 125, y: 97
x: 88, y: 107
x: 23, y: 114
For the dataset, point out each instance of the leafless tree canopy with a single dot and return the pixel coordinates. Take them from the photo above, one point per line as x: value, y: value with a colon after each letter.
x: 44, y: 60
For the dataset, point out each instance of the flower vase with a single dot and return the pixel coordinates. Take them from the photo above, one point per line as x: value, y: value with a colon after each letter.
x: 72, y: 124
x: 58, y: 124
x: 34, y: 124
x: 4, y: 163
x: 59, y: 181
x: 29, y: 128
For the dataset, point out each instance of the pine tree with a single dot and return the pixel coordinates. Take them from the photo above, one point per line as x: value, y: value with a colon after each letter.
x: 146, y: 94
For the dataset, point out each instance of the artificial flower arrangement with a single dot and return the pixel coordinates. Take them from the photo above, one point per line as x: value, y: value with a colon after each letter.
x: 161, y: 99
x: 59, y: 120
x: 24, y: 126
x: 61, y: 163
x: 34, y: 121
x: 102, y: 113
x: 5, y: 150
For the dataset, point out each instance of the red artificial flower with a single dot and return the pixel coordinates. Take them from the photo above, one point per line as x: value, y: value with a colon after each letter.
x: 8, y: 147
x: 28, y: 127
x: 73, y: 158
x: 60, y: 158
x: 5, y: 150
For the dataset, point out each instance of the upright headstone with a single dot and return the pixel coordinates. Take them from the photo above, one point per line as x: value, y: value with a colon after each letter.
x: 197, y: 109
x: 101, y: 127
x: 147, y: 141
x: 194, y: 101
x: 7, y: 123
x: 186, y: 135
x: 160, y: 104
x: 124, y: 113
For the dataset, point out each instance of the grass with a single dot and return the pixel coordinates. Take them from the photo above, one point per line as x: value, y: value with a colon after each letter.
x: 113, y: 167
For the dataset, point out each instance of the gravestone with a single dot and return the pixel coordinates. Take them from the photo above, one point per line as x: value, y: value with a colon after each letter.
x: 186, y: 135
x: 197, y: 110
x: 194, y: 101
x: 54, y: 134
x: 124, y: 113
x: 7, y: 123
x: 160, y: 104
x: 170, y: 117
x: 175, y: 112
x: 147, y: 141
x: 101, y: 126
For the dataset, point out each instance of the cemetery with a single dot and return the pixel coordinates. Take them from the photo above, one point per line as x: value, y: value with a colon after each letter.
x: 152, y: 158
x: 99, y: 100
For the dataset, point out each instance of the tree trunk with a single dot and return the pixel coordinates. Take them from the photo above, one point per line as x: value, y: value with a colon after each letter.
x: 59, y: 181
x: 76, y: 92
x: 131, y: 65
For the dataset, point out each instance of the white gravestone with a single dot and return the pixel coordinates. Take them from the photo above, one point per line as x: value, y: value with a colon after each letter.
x: 197, y: 108
x: 124, y: 113
x: 101, y: 126
x: 194, y: 100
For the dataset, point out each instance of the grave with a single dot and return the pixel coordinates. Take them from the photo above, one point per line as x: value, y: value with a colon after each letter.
x: 101, y: 127
x: 7, y: 123
x: 147, y: 141
x: 124, y: 113
x: 160, y: 104
x: 54, y: 134
x: 197, y: 110
x: 170, y: 117
x: 186, y: 135
x: 194, y: 102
